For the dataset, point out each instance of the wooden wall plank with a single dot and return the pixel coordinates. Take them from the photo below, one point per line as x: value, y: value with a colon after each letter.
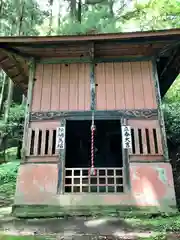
x: 110, y: 91
x: 149, y: 99
x: 132, y: 82
x: 81, y: 88
x: 87, y: 87
x: 138, y: 90
x: 128, y: 85
x: 119, y: 86
x: 101, y: 103
x: 37, y: 92
x: 73, y: 71
x: 46, y: 90
x: 150, y: 68
x: 56, y: 87
x: 64, y: 88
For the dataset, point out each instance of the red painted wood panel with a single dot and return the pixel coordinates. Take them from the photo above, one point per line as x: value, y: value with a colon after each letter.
x: 62, y: 87
x: 127, y: 85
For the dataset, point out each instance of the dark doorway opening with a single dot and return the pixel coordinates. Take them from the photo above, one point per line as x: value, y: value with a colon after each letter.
x: 108, y: 157
x: 107, y: 144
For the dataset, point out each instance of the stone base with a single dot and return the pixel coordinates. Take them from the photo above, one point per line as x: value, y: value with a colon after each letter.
x: 152, y: 190
x: 44, y: 211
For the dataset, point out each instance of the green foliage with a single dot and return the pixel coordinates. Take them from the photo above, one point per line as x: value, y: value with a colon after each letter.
x: 171, y: 107
x: 8, y: 174
x: 15, y: 124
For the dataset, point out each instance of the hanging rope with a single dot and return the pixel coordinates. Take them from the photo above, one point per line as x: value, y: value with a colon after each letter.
x: 93, y: 128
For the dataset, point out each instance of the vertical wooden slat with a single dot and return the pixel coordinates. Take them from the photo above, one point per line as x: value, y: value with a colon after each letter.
x: 159, y: 141
x: 43, y: 142
x: 97, y: 175
x: 36, y: 138
x: 144, y: 141
x: 81, y: 180
x: 50, y: 142
x: 151, y: 141
x: 136, y: 141
x: 106, y: 180
x: 72, y: 181
x: 29, y: 136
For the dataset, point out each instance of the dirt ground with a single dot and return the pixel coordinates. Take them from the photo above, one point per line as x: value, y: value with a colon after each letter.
x: 86, y: 228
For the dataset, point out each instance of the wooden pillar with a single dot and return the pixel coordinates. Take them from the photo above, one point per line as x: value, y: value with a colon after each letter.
x: 92, y: 79
x: 125, y: 157
x: 28, y: 106
x: 160, y: 111
x: 92, y: 87
x: 60, y: 140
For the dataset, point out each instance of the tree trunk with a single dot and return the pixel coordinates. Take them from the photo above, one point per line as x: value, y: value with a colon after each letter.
x: 73, y: 10
x: 21, y: 15
x: 79, y: 12
x: 111, y: 3
x: 23, y: 100
x: 5, y: 78
x: 59, y: 19
x: 9, y: 99
x: 50, y: 18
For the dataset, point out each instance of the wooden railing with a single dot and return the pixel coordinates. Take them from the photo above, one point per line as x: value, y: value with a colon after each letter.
x: 146, y: 141
x: 41, y: 142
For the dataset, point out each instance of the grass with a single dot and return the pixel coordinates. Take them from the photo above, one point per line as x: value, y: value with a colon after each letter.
x: 157, y: 224
x: 8, y: 237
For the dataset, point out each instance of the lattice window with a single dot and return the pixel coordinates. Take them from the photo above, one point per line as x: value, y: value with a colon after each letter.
x: 41, y: 142
x: 107, y: 180
x: 146, y: 141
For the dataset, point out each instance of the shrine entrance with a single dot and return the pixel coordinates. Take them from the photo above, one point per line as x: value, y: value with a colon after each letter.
x: 108, y: 160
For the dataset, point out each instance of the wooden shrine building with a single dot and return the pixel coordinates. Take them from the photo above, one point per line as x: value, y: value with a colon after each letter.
x: 112, y: 81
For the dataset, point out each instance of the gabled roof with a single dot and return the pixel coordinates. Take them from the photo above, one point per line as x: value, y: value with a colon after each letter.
x: 15, y: 51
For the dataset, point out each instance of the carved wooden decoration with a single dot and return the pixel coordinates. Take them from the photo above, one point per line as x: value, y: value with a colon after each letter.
x: 128, y: 114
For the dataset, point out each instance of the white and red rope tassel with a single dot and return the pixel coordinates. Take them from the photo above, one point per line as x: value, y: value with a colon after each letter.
x: 92, y: 169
